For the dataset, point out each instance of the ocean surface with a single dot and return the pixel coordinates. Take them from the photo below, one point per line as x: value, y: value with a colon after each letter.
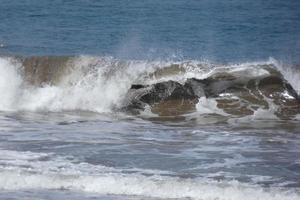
x: 161, y: 99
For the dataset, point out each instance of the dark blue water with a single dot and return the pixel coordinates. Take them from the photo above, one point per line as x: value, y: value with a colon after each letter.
x: 225, y: 31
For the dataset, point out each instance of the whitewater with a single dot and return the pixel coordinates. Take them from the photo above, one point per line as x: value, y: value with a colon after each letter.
x: 86, y: 127
x: 151, y: 100
x: 100, y: 84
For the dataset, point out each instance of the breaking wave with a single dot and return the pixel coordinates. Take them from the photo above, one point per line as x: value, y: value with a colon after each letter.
x: 105, y: 84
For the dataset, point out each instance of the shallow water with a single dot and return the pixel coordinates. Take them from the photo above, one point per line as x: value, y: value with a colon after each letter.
x: 66, y: 155
x: 62, y: 135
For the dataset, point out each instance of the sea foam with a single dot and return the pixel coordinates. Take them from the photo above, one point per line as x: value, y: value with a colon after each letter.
x: 29, y: 170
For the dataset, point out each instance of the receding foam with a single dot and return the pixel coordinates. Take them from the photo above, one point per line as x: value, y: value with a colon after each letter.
x: 28, y: 170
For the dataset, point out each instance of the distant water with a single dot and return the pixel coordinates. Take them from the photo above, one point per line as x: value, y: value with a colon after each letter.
x: 76, y: 122
x: 230, y: 30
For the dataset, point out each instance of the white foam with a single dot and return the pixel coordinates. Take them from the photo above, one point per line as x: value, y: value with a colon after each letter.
x: 266, y: 114
x: 286, y: 95
x: 99, y: 89
x: 261, y: 114
x: 209, y: 106
x: 204, y: 69
x: 28, y: 170
x: 10, y: 83
x: 159, y: 187
x: 297, y: 117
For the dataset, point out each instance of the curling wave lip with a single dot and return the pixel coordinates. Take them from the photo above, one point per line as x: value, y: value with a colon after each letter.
x: 165, y: 88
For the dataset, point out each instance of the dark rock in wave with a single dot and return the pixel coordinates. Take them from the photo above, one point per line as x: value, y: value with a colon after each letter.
x: 234, y: 95
x: 166, y: 98
x: 236, y: 92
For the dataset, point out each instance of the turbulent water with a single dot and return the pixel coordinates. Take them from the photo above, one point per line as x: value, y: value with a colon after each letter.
x: 69, y: 130
x: 150, y: 100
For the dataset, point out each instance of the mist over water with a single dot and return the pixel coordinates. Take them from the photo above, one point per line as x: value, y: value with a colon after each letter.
x: 150, y: 99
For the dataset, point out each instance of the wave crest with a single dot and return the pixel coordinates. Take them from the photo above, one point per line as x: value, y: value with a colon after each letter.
x: 105, y: 84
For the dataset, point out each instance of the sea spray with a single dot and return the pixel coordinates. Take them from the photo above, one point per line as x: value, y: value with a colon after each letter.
x: 10, y: 84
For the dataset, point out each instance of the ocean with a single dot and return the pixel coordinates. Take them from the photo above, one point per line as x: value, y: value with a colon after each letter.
x: 168, y: 99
